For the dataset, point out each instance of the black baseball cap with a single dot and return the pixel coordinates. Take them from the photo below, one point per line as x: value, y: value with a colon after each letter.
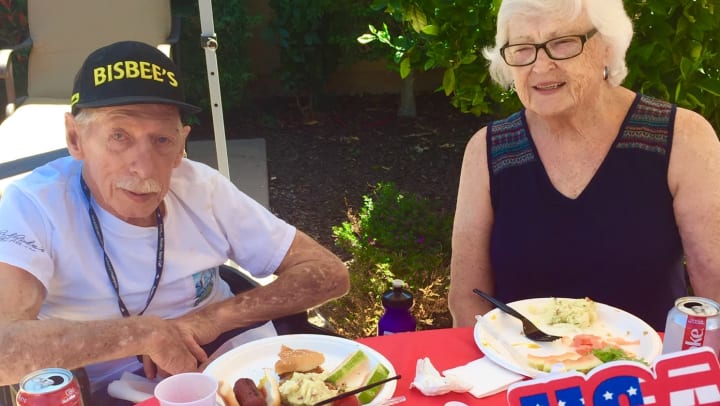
x: 128, y: 72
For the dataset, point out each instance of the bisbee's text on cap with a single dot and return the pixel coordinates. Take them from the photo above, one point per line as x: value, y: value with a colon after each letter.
x: 133, y: 70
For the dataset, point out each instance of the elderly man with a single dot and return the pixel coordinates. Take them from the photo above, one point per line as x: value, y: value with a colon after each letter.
x: 114, y: 251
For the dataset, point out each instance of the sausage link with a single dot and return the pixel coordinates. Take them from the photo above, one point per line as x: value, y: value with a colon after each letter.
x: 247, y: 393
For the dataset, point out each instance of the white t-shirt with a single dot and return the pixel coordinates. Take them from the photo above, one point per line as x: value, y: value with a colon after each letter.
x: 45, y: 229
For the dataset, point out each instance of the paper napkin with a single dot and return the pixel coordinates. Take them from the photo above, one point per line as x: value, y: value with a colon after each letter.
x: 484, y: 376
x: 429, y: 381
x: 131, y: 387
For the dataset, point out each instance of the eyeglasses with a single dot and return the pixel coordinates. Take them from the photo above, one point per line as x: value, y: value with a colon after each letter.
x: 558, y: 49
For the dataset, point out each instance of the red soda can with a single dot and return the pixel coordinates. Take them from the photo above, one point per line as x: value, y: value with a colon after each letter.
x: 692, y: 323
x: 49, y: 387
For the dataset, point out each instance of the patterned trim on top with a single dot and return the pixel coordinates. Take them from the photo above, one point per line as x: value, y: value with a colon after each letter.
x: 509, y: 143
x: 648, y: 128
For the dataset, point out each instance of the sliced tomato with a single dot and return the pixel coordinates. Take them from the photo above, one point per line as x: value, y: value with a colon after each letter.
x: 585, y: 343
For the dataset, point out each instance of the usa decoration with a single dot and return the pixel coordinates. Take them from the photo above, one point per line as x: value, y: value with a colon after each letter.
x: 684, y: 378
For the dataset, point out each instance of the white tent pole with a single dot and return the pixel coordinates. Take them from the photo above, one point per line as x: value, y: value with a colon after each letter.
x: 209, y: 43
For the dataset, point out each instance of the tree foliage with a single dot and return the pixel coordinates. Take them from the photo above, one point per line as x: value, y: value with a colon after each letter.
x: 675, y: 54
x: 445, y: 35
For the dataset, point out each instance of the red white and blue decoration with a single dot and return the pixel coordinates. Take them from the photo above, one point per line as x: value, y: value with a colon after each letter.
x: 685, y: 378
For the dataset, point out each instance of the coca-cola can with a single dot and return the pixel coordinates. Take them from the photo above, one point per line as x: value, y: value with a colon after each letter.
x: 692, y: 323
x: 49, y: 387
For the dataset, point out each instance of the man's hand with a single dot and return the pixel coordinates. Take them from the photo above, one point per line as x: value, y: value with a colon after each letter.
x: 176, y: 347
x: 199, y: 326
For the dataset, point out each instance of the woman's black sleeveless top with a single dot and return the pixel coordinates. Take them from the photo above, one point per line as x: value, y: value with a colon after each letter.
x: 616, y: 243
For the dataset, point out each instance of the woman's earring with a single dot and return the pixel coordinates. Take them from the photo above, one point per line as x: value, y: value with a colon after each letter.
x: 606, y: 73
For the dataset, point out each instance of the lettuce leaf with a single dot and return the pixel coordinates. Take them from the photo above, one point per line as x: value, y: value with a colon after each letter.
x: 608, y: 354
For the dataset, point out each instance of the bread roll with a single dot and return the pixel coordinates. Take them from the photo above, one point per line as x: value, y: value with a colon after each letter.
x: 269, y: 388
x: 297, y: 360
x: 227, y: 395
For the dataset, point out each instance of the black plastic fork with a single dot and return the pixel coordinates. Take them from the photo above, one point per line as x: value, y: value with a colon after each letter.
x: 530, y: 330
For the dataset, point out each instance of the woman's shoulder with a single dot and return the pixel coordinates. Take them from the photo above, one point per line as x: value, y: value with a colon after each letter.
x: 476, y: 147
x: 511, y: 123
x: 686, y: 118
x: 478, y: 137
x: 497, y: 128
x: 695, y: 146
x: 692, y: 127
x: 478, y: 140
x: 686, y: 124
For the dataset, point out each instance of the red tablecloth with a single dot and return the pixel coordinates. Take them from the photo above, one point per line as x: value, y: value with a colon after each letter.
x: 446, y: 348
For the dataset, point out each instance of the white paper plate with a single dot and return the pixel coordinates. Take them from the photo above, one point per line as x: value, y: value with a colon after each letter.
x: 249, y: 360
x: 503, y: 342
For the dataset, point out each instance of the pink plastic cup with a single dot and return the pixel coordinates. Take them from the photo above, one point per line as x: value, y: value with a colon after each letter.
x: 187, y: 389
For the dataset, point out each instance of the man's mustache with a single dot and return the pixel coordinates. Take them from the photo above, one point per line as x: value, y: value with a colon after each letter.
x: 137, y: 185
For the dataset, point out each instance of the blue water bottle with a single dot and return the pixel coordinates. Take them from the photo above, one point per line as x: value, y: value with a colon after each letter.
x: 397, y: 303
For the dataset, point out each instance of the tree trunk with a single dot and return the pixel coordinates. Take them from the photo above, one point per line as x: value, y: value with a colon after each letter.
x: 407, y: 97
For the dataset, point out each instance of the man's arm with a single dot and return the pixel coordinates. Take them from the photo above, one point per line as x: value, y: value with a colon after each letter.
x: 29, y: 344
x: 308, y: 276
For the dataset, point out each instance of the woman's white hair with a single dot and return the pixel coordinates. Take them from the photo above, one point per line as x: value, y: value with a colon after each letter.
x: 607, y: 16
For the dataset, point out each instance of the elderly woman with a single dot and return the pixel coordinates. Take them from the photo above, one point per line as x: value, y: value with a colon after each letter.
x: 591, y: 189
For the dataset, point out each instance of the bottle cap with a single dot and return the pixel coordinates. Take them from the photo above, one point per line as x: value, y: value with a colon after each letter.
x: 397, y: 297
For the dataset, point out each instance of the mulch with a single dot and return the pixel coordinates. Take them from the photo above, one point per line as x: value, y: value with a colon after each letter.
x: 321, y: 169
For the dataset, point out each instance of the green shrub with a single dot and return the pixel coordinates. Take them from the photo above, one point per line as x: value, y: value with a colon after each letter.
x: 395, y: 235
x: 403, y: 235
x: 315, y: 37
x: 300, y: 29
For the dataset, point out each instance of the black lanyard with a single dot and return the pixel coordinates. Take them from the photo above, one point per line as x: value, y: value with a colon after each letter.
x: 159, y: 262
